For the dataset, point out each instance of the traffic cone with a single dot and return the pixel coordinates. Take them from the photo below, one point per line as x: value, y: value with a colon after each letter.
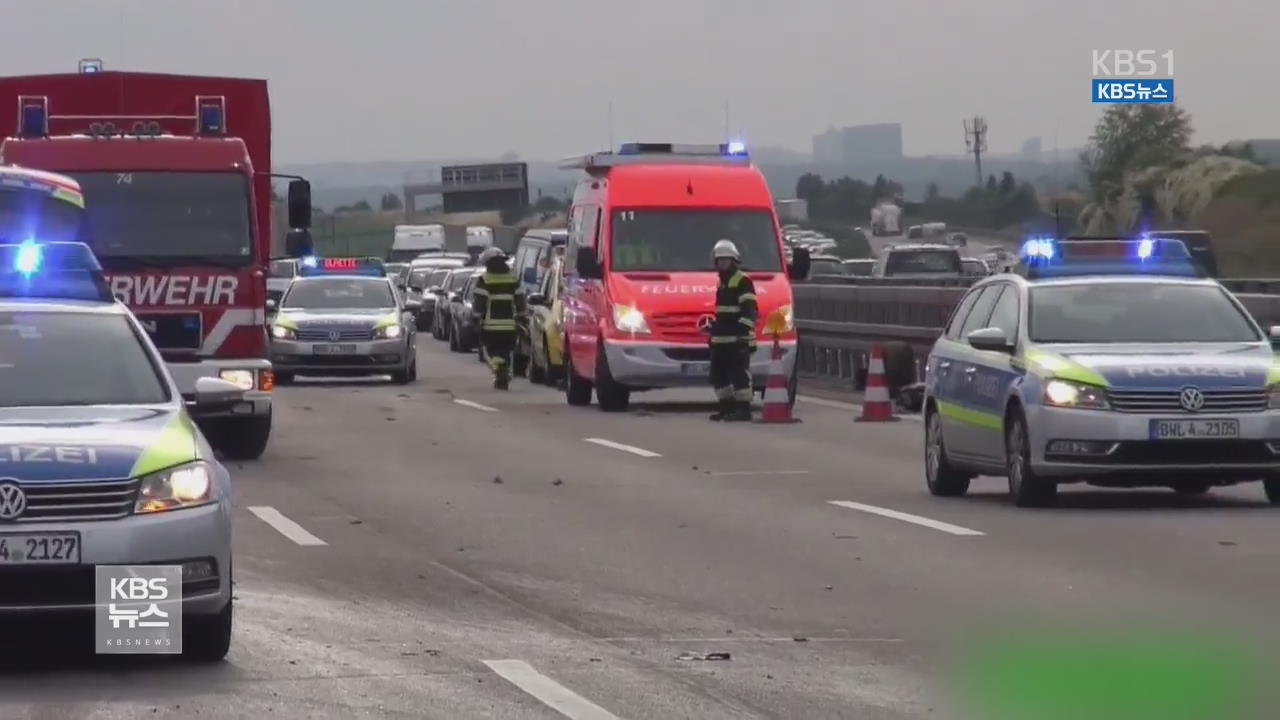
x: 876, y: 406
x: 777, y: 408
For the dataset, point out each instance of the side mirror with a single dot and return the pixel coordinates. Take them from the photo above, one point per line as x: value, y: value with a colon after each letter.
x: 298, y: 243
x: 1274, y: 333
x: 271, y: 303
x: 536, y: 299
x: 799, y: 268
x: 588, y: 265
x: 991, y: 338
x: 215, y: 393
x: 299, y: 204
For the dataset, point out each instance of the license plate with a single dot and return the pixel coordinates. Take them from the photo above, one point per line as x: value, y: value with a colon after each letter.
x: 696, y: 368
x: 334, y: 349
x: 40, y: 549
x: 1194, y: 429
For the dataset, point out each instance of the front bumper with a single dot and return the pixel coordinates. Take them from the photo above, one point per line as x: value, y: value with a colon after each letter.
x: 256, y: 402
x: 1120, y: 446
x: 167, y: 538
x: 670, y: 365
x: 371, y: 357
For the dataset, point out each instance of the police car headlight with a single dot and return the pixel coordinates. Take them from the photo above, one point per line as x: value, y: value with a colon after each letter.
x: 629, y: 319
x: 178, y: 487
x: 1064, y: 393
x: 281, y: 332
x: 390, y: 332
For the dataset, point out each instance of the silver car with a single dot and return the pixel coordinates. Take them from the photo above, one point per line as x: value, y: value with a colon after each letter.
x: 344, y: 325
x: 100, y: 464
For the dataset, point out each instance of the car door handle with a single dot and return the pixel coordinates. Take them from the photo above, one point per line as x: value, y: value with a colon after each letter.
x: 970, y: 370
x: 944, y: 365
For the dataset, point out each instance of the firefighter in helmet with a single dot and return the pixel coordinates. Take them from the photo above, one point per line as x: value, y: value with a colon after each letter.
x: 498, y: 299
x: 733, y: 335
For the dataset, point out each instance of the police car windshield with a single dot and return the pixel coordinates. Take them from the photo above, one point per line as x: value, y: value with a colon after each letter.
x: 681, y: 240
x: 50, y: 359
x: 1136, y: 313
x: 922, y: 261
x: 339, y: 293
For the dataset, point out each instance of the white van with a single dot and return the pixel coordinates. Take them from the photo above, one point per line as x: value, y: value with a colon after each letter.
x: 414, y: 240
x: 479, y: 237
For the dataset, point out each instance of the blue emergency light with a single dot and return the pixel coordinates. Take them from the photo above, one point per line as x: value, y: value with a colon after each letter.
x: 735, y: 148
x: 211, y: 115
x: 52, y: 271
x: 1049, y: 257
x: 358, y: 266
x: 33, y: 116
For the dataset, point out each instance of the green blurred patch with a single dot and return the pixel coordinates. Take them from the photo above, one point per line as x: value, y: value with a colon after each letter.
x: 1117, y: 677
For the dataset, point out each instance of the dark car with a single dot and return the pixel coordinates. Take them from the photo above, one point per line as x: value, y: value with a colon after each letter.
x: 463, y: 332
x: 450, y: 286
x: 429, y: 284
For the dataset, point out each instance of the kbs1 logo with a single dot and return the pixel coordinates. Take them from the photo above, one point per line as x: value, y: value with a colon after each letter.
x: 1132, y: 76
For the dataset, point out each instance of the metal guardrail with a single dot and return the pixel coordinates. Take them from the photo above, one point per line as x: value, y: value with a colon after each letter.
x: 840, y: 318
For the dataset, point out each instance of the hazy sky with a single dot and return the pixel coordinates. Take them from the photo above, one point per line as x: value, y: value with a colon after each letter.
x: 415, y: 79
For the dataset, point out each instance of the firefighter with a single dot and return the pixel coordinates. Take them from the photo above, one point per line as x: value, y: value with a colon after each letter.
x: 498, y: 298
x: 733, y: 335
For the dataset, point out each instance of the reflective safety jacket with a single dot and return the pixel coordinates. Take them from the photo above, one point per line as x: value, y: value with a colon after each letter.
x: 736, y: 310
x: 497, y: 299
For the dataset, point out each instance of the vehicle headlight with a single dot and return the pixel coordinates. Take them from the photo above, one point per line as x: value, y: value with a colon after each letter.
x: 178, y: 487
x: 781, y: 320
x: 1273, y: 396
x: 280, y: 332
x: 242, y: 379
x: 388, y: 332
x: 1064, y: 393
x: 629, y: 319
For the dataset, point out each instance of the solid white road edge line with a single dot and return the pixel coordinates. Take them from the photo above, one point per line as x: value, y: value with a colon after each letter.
x: 624, y: 448
x: 548, y: 691
x: 285, y: 526
x: 852, y: 407
x: 476, y: 405
x: 907, y: 517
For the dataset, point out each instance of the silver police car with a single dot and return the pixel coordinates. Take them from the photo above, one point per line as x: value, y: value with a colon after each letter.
x: 1115, y: 373
x: 100, y: 464
x: 343, y: 317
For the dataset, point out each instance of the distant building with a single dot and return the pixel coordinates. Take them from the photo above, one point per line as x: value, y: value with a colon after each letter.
x: 1031, y: 149
x: 859, y: 144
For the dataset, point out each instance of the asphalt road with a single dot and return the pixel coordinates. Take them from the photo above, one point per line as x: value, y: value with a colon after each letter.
x: 463, y: 553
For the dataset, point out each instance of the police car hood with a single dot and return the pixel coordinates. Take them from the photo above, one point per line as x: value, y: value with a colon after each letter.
x: 338, y: 316
x: 93, y: 443
x: 1217, y: 365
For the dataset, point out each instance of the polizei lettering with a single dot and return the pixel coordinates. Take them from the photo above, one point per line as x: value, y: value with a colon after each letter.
x: 1186, y: 371
x: 147, y: 290
x: 71, y: 454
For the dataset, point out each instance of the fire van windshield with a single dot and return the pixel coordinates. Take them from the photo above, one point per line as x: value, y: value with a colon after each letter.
x: 168, y: 218
x: 681, y: 240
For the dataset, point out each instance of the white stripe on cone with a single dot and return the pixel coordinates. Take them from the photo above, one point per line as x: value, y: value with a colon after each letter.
x: 876, y: 394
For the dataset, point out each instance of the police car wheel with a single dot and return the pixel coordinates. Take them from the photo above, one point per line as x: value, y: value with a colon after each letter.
x: 1025, y: 488
x: 1271, y: 485
x: 207, y: 639
x: 245, y: 438
x: 943, y: 479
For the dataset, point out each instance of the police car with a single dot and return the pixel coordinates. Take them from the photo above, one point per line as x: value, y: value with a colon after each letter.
x: 1110, y: 362
x: 344, y: 316
x: 100, y: 463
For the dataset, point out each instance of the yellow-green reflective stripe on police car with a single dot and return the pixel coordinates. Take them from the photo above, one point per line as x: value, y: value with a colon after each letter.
x: 1273, y: 375
x: 1054, y: 365
x: 969, y: 416
x: 173, y: 445
x: 285, y: 322
x: 387, y: 321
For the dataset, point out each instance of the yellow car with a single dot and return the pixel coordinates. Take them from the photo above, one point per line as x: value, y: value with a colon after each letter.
x: 546, y: 310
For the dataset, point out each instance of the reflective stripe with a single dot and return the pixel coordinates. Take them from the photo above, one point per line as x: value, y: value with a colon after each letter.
x: 175, y: 444
x: 724, y: 393
x: 726, y: 339
x: 747, y: 296
x: 744, y: 394
x: 728, y: 308
x: 969, y: 416
x: 499, y: 324
x: 387, y: 321
x: 747, y: 321
x: 737, y: 279
x: 1047, y: 364
x: 502, y: 296
x: 1273, y: 375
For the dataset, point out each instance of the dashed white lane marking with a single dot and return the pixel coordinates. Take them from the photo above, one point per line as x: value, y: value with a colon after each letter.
x: 285, y: 526
x: 851, y: 407
x: 624, y: 448
x: 548, y: 691
x: 762, y: 472
x: 907, y: 517
x: 475, y: 405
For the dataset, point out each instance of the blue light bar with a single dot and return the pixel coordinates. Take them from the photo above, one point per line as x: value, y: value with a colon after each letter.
x: 211, y: 115
x: 351, y: 266
x: 734, y: 148
x: 1096, y: 256
x: 53, y: 271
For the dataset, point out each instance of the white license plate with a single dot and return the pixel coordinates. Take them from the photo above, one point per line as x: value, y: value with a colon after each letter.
x: 39, y: 549
x: 1195, y: 429
x: 696, y: 368
x: 334, y: 349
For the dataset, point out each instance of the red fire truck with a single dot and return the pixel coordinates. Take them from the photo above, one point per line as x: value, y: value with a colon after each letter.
x: 176, y: 175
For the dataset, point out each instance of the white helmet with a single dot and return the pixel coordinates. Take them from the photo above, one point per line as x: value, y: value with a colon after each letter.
x: 725, y: 249
x: 491, y: 253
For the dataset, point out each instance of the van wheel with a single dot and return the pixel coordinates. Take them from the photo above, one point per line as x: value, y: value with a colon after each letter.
x: 612, y: 395
x: 577, y: 390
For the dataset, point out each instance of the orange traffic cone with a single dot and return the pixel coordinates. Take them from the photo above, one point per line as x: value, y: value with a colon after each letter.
x: 876, y: 406
x: 777, y: 406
